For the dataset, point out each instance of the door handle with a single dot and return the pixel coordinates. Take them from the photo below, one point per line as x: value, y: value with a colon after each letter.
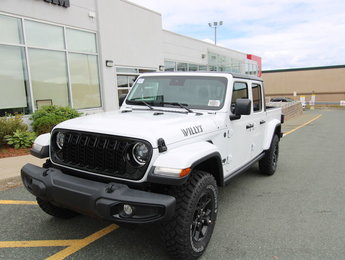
x: 262, y: 122
x: 249, y: 126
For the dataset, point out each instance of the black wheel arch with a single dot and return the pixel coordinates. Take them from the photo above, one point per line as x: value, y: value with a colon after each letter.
x: 278, y: 131
x: 212, y: 164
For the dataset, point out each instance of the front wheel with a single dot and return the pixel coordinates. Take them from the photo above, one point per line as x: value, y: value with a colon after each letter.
x: 268, y: 164
x: 187, y: 235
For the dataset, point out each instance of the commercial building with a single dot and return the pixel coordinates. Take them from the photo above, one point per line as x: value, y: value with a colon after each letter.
x: 84, y: 53
x: 326, y: 84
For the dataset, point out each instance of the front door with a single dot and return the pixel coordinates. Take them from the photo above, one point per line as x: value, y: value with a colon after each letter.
x: 239, y: 133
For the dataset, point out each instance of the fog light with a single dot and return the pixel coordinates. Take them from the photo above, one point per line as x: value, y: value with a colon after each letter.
x: 128, y: 209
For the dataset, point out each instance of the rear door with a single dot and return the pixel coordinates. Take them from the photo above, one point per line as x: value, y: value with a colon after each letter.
x: 258, y: 119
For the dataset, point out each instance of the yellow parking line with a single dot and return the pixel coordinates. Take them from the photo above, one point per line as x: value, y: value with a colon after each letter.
x: 18, y: 202
x: 37, y: 243
x: 299, y: 127
x: 79, y: 244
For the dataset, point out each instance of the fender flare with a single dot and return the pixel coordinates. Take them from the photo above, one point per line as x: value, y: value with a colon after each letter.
x: 188, y: 156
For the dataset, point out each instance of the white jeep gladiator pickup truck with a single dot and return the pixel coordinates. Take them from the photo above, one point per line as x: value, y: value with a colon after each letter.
x: 161, y: 157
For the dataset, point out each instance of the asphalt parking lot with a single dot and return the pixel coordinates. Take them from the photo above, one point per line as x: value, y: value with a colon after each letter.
x: 298, y: 213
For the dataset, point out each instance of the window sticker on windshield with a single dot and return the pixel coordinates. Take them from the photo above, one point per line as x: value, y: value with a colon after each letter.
x: 141, y: 81
x: 214, y: 103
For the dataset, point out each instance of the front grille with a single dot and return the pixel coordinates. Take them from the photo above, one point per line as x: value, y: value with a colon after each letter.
x: 97, y: 153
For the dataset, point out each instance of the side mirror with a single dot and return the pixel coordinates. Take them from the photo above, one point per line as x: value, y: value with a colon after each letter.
x: 122, y: 98
x: 242, y: 107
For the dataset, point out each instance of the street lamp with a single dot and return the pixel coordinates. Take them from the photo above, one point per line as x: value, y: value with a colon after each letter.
x: 215, y: 25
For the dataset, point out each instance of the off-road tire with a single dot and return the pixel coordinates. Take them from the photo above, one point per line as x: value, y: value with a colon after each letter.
x: 196, y: 209
x: 268, y: 164
x: 55, y: 211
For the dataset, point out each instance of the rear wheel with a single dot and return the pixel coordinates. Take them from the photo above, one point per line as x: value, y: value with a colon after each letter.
x: 268, y: 164
x: 187, y: 235
x: 55, y: 211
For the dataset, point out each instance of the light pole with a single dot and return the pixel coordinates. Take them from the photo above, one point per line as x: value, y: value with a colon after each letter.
x: 215, y: 25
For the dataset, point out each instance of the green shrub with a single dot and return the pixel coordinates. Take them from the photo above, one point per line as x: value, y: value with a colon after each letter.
x: 9, y: 124
x: 45, y: 118
x: 21, y: 139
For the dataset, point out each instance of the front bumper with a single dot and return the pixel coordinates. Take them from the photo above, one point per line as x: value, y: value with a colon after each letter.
x: 105, y: 200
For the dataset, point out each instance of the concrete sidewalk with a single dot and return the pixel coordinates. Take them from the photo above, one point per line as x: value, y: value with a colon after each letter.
x: 10, y: 167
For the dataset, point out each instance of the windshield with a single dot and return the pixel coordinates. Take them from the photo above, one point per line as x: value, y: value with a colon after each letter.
x: 197, y: 92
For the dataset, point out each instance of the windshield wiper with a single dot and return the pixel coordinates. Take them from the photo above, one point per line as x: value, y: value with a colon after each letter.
x: 178, y: 104
x: 140, y: 101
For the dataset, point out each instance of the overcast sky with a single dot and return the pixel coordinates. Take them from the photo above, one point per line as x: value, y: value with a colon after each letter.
x: 285, y: 33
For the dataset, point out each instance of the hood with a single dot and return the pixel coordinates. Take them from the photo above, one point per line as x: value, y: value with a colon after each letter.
x: 147, y: 125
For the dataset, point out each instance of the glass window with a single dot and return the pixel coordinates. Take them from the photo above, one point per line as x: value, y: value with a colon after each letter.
x: 257, y: 97
x: 126, y: 70
x: 44, y: 35
x: 122, y: 81
x: 10, y: 30
x: 169, y: 65
x: 192, y: 67
x: 84, y: 80
x: 12, y: 78
x: 213, y: 68
x: 240, y: 91
x: 81, y: 41
x: 123, y: 91
x: 203, y: 68
x: 181, y: 66
x: 49, y: 77
x: 131, y: 80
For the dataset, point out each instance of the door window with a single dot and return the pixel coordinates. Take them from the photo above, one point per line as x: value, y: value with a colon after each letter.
x: 257, y: 97
x: 240, y: 90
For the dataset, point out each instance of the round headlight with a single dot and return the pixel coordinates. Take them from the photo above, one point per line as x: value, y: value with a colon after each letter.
x: 60, y: 138
x: 140, y: 153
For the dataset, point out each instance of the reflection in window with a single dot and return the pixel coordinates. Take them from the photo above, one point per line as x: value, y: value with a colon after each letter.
x: 10, y: 30
x: 202, y: 68
x: 181, y: 66
x: 169, y: 65
x: 240, y: 91
x: 257, y: 97
x: 49, y: 76
x: 12, y: 80
x: 192, y: 67
x: 81, y: 41
x: 213, y: 68
x: 84, y: 81
x: 123, y: 91
x: 122, y: 81
x: 131, y: 80
x: 44, y: 35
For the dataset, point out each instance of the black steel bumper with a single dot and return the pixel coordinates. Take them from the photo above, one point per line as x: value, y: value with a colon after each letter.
x: 97, y: 198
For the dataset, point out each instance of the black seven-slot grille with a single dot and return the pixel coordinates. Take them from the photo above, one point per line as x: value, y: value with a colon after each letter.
x: 97, y: 153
